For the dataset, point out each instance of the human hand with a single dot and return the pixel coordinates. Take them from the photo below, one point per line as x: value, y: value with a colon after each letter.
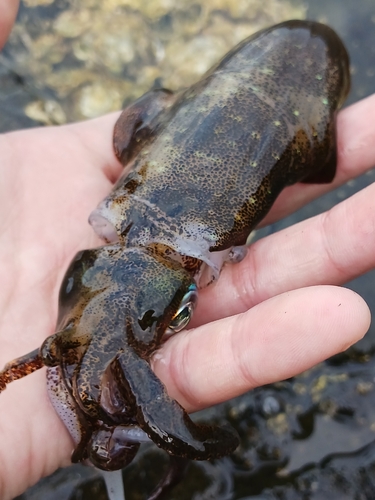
x: 8, y: 12
x: 272, y: 315
x: 53, y: 177
x: 270, y: 324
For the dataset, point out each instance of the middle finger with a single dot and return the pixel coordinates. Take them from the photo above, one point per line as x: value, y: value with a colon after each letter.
x: 331, y: 248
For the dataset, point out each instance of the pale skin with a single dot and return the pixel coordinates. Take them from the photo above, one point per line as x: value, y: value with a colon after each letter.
x: 268, y: 318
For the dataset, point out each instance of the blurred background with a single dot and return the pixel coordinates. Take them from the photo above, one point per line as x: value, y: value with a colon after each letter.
x: 311, y: 437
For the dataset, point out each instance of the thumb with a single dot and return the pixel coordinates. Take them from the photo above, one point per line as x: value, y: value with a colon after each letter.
x: 8, y: 12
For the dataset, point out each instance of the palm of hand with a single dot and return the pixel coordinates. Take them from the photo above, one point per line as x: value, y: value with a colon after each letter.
x: 51, y: 180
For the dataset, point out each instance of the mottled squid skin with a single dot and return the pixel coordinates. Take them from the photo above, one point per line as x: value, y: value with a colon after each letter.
x: 203, y: 167
x: 216, y: 156
x: 115, y: 305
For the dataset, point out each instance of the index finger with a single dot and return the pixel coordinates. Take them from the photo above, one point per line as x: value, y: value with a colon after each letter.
x: 356, y: 155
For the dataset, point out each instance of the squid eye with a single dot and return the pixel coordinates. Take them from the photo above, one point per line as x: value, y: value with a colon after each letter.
x: 184, y: 313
